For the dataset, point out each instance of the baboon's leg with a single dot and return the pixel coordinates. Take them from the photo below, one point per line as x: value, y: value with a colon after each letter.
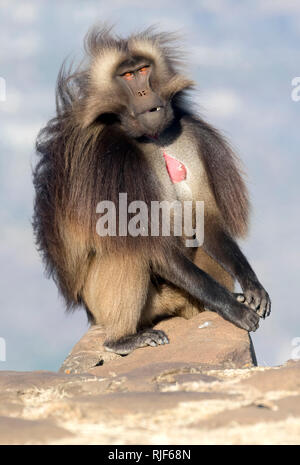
x: 211, y: 267
x: 167, y: 299
x: 115, y: 293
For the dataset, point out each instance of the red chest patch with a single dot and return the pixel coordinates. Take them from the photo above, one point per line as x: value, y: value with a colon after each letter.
x: 176, y: 169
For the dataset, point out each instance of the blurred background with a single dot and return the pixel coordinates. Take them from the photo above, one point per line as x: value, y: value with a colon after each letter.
x: 243, y: 56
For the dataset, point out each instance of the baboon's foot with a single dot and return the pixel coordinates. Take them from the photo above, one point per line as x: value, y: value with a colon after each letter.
x: 149, y: 337
x: 258, y: 301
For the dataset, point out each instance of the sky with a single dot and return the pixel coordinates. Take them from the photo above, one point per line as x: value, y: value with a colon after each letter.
x: 243, y: 56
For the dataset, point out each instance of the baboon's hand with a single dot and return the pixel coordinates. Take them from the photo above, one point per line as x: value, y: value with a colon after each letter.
x: 243, y: 317
x: 256, y: 298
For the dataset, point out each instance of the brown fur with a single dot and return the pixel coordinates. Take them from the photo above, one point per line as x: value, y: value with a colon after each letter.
x: 86, y: 157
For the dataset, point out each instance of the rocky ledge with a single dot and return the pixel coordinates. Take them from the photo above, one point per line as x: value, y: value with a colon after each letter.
x: 202, y: 388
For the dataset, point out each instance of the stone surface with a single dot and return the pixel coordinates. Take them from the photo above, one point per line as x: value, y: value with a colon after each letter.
x: 87, y: 353
x: 272, y: 381
x: 161, y: 403
x: 18, y: 431
x: 202, y: 388
x: 206, y: 339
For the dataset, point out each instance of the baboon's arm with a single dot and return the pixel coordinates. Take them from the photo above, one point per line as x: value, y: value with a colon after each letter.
x: 225, y: 250
x: 182, y: 272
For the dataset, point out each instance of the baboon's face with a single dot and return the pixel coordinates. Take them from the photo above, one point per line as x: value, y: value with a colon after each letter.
x: 146, y: 111
x: 131, y: 83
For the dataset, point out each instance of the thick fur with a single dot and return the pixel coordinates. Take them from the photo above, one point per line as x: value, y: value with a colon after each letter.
x: 85, y: 156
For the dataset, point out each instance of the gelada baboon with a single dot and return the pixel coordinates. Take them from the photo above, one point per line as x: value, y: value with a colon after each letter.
x: 123, y: 125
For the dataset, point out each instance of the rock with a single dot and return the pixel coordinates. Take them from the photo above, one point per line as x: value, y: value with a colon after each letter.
x: 207, y: 339
x: 271, y: 380
x: 114, y: 405
x: 156, y: 402
x: 18, y: 385
x: 202, y: 388
x: 256, y: 413
x: 19, y: 431
x: 87, y: 353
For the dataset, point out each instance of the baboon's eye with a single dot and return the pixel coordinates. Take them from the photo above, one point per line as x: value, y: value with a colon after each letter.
x: 127, y: 75
x: 144, y: 69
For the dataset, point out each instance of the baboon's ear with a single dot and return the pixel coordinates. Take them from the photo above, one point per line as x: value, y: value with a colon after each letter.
x: 175, y: 85
x: 95, y: 106
x: 102, y: 94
